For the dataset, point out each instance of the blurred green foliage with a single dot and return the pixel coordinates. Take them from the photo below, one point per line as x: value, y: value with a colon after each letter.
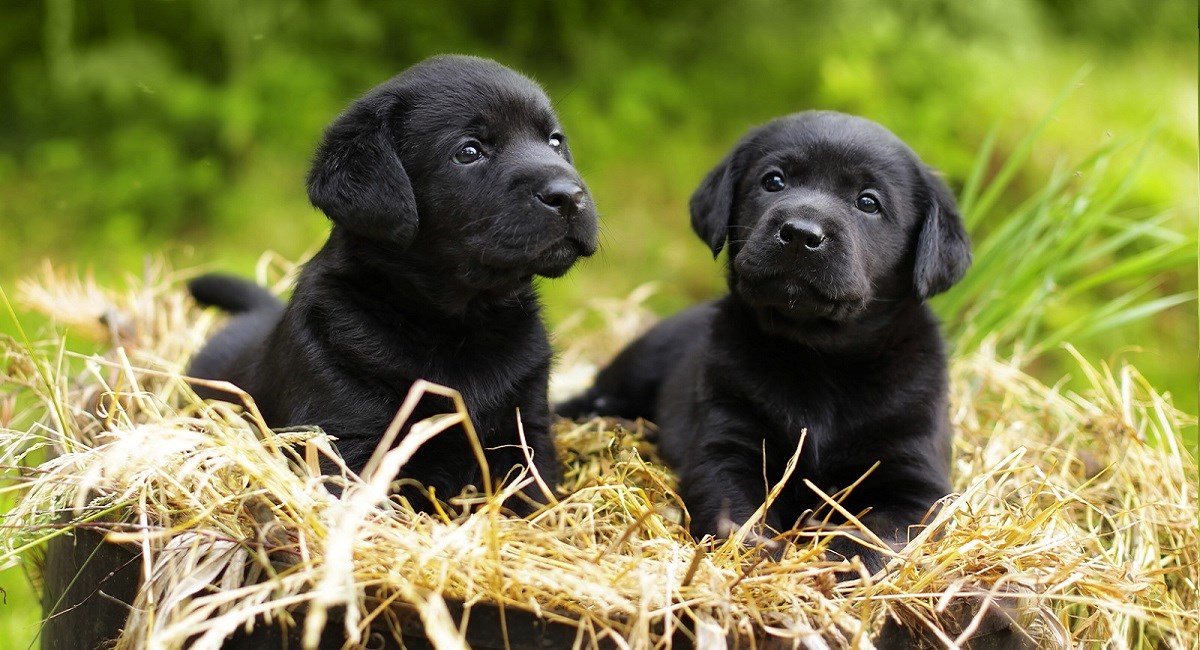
x: 148, y: 126
x: 136, y: 126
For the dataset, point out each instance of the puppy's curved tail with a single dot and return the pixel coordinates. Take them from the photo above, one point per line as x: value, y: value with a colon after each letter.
x: 233, y: 294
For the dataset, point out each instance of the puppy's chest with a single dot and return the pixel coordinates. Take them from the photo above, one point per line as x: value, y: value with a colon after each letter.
x: 488, y: 368
x: 826, y: 399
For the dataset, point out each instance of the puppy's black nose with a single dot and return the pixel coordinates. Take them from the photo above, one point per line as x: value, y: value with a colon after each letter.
x: 798, y: 235
x: 563, y: 196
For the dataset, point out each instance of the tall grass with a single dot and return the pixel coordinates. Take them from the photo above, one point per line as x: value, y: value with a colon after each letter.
x: 1038, y: 266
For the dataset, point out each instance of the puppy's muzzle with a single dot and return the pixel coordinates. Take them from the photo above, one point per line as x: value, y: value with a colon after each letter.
x: 563, y: 197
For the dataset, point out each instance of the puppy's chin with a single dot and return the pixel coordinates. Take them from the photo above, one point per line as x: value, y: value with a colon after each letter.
x: 511, y: 275
x: 789, y: 323
x: 791, y: 304
x: 556, y: 260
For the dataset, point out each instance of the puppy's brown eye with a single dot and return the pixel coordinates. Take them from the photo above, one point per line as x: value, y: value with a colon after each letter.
x: 773, y: 182
x: 557, y: 140
x: 469, y: 153
x: 867, y: 203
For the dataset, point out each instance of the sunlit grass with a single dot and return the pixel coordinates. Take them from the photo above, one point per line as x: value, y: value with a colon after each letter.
x: 20, y: 606
x: 1070, y: 238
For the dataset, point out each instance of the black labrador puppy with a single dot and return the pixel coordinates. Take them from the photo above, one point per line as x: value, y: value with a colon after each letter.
x: 449, y: 187
x: 837, y: 234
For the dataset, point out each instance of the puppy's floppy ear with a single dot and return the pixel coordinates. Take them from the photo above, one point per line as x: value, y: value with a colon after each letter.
x: 712, y: 205
x: 357, y: 178
x: 943, y: 247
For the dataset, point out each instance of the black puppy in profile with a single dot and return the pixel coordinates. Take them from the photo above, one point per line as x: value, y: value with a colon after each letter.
x: 837, y: 234
x: 449, y: 187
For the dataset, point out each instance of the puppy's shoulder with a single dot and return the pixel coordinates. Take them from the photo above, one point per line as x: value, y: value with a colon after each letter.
x: 916, y: 342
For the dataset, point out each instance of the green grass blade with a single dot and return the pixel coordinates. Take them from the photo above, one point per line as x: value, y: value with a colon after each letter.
x: 1021, y: 153
x: 970, y: 191
x: 1112, y: 319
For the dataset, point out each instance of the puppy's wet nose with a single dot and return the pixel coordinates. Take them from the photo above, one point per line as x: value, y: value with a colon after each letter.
x: 563, y: 196
x: 798, y: 235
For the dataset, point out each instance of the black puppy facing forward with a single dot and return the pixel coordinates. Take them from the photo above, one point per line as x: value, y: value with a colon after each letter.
x: 837, y: 233
x: 449, y: 187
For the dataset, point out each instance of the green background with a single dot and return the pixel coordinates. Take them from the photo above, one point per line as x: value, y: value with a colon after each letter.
x: 136, y: 127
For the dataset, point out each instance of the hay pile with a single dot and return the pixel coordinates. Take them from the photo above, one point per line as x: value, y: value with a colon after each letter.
x: 1080, y: 511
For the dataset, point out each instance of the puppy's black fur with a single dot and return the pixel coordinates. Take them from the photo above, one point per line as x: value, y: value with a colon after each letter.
x: 449, y: 187
x: 837, y: 233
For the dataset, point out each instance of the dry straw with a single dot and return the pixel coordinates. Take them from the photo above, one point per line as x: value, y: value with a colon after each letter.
x: 1075, y: 512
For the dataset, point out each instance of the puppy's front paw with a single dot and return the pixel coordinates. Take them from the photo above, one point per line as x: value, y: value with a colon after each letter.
x: 580, y: 407
x: 846, y: 548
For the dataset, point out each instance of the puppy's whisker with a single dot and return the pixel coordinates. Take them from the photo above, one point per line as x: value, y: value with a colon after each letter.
x: 482, y: 219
